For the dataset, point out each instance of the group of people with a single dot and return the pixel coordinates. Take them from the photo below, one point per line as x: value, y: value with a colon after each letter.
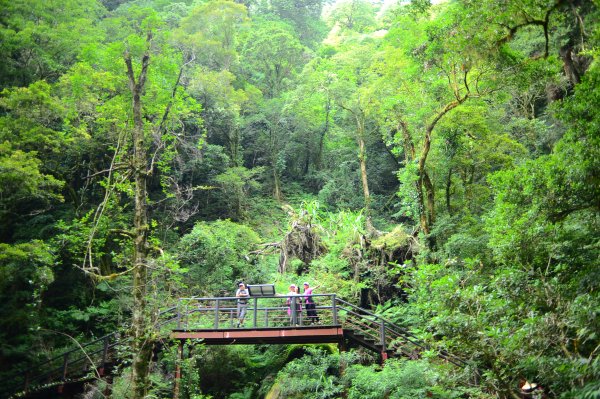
x: 309, y: 304
x: 293, y: 297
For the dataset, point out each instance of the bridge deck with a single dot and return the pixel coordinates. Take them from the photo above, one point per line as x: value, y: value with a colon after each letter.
x: 265, y: 335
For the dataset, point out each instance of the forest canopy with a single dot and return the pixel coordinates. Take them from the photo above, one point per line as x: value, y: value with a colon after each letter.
x: 434, y: 162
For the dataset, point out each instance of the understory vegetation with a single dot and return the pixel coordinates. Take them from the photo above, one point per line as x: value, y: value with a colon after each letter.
x: 437, y: 163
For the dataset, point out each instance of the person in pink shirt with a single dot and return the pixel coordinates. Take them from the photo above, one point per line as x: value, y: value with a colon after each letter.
x: 311, y: 307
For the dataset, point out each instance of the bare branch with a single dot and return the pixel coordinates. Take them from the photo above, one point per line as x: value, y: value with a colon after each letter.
x: 118, y: 166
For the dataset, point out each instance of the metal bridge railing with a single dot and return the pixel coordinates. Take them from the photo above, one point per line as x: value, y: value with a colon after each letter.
x: 277, y: 311
x: 261, y: 312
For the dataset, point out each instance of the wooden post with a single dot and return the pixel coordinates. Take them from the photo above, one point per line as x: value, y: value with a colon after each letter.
x: 384, y: 354
x: 342, y: 348
x: 178, y: 369
x: 65, y: 369
x: 384, y: 357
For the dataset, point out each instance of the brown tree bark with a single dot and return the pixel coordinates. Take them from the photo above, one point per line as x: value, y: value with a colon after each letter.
x: 424, y: 187
x: 424, y: 182
x: 362, y: 156
x: 359, y: 117
x: 319, y: 157
x: 141, y: 346
x: 276, y: 184
x: 448, y: 188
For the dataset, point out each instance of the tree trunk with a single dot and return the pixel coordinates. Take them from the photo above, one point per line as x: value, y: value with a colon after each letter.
x: 429, y: 198
x: 409, y: 156
x: 276, y: 184
x: 427, y: 202
x: 233, y: 139
x: 448, y: 187
x: 359, y: 117
x: 141, y: 346
x: 319, y: 157
x: 307, y: 157
x: 362, y: 158
x: 273, y: 155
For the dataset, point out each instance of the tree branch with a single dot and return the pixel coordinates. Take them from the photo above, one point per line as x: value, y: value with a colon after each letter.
x: 119, y: 166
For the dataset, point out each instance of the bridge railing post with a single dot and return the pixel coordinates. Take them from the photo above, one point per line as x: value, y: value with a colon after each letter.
x: 382, y: 335
x: 334, y: 309
x: 179, y: 314
x: 217, y: 308
x: 186, y: 315
x: 294, y: 314
x: 255, y: 313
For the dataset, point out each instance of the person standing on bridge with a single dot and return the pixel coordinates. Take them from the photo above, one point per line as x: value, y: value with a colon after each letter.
x: 311, y: 307
x: 242, y: 303
x: 294, y: 315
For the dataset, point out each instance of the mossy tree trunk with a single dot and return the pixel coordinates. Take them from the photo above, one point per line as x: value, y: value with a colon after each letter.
x: 142, y: 346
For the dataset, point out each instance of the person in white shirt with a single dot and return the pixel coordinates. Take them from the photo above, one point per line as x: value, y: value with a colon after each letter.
x: 242, y: 303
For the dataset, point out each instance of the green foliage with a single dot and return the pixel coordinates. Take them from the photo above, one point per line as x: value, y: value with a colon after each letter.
x: 41, y: 40
x: 211, y: 31
x: 398, y: 379
x: 272, y: 54
x: 237, y: 185
x: 23, y: 187
x: 245, y: 107
x: 316, y: 374
x: 26, y: 271
x: 217, y: 256
x: 339, y: 268
x: 353, y: 15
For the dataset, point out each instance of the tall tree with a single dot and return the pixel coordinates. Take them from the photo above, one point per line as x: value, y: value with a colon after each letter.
x: 141, y: 60
x: 41, y: 40
x: 435, y: 73
x: 142, y: 345
x: 272, y: 55
x: 353, y: 74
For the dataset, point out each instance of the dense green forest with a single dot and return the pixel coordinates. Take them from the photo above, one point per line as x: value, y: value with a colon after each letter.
x: 435, y: 162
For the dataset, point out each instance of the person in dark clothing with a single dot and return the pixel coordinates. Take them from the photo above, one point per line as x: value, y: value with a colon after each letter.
x: 311, y: 307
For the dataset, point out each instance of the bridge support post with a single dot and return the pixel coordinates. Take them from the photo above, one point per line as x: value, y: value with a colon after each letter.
x: 64, y: 373
x: 178, y: 369
x: 342, y: 348
x: 384, y: 357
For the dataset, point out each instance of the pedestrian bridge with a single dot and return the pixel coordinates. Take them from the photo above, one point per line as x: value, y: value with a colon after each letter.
x: 270, y: 319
